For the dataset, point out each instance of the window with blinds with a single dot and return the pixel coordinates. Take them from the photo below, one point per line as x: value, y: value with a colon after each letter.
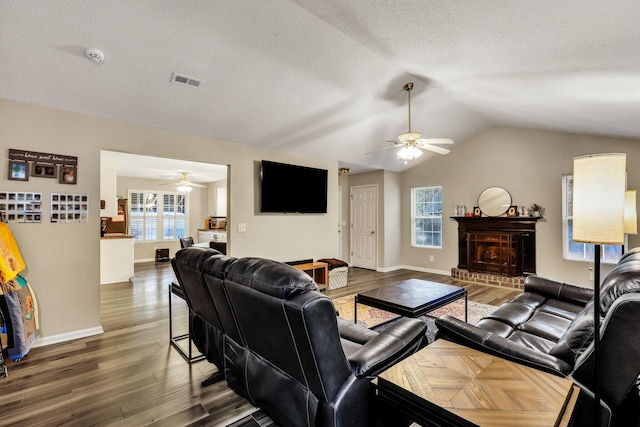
x: 157, y: 215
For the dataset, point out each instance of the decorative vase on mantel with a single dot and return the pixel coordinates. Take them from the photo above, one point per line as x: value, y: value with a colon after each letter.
x: 535, y: 210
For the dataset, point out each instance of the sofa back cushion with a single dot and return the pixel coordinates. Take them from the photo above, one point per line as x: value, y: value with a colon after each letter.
x: 293, y: 328
x: 207, y: 330
x: 623, y: 279
x: 577, y: 337
x: 271, y: 277
x: 213, y: 271
x: 186, y: 266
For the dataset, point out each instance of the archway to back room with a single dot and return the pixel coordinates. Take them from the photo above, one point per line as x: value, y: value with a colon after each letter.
x: 146, y: 208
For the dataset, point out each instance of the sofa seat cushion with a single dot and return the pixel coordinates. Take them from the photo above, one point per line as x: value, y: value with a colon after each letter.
x: 546, y: 325
x: 495, y: 327
x: 512, y: 313
x: 532, y: 341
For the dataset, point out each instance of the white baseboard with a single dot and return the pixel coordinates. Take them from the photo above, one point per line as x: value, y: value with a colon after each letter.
x: 410, y: 267
x: 144, y: 260
x: 68, y: 336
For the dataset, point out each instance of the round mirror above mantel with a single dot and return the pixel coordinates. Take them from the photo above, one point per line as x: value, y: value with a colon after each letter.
x: 494, y: 201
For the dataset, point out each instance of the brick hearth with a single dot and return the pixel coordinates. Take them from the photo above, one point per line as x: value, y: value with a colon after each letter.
x: 488, y: 278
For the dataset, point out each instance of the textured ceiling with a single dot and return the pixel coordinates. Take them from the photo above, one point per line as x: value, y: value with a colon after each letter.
x: 324, y: 78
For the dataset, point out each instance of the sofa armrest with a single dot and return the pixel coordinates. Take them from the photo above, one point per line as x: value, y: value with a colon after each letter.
x: 390, y: 346
x: 559, y: 290
x: 354, y: 332
x: 472, y: 336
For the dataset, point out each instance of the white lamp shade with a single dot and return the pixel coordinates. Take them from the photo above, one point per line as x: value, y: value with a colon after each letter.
x: 630, y: 212
x: 599, y: 182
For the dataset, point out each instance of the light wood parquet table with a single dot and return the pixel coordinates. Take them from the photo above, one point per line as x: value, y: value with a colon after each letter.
x: 446, y: 384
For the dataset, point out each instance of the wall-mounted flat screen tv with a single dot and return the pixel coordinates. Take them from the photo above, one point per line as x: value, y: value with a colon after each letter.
x: 292, y: 189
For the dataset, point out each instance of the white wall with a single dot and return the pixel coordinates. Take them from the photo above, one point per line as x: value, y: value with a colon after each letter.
x: 391, y: 206
x: 63, y: 259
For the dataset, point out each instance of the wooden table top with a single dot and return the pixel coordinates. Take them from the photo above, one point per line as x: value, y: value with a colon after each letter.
x: 480, y: 388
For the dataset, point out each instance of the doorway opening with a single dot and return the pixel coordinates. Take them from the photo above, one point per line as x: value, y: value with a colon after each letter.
x: 156, y: 200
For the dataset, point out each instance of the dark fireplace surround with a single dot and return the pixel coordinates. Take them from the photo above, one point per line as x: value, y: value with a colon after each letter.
x: 496, y: 250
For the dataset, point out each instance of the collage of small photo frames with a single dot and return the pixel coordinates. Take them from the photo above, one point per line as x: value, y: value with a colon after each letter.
x: 20, y: 206
x: 69, y: 207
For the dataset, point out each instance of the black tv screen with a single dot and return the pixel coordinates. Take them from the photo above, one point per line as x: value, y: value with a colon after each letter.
x: 292, y: 189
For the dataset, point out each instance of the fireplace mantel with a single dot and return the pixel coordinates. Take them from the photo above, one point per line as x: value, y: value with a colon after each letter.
x: 520, y: 229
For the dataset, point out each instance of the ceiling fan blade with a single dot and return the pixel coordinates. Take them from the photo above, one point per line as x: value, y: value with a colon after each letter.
x: 197, y: 185
x: 440, y: 141
x: 382, y: 149
x: 434, y: 148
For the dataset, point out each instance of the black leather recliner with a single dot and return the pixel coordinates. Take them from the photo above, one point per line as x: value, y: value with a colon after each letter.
x: 186, y: 242
x: 205, y: 324
x: 286, y: 350
x: 550, y: 327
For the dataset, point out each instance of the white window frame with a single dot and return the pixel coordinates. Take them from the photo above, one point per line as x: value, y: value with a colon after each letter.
x: 610, y: 254
x: 435, y: 215
x: 159, y: 216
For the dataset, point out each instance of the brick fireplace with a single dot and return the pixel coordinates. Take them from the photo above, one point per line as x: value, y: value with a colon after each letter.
x: 496, y: 250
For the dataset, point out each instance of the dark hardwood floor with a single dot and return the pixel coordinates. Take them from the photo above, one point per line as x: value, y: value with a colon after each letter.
x: 131, y: 376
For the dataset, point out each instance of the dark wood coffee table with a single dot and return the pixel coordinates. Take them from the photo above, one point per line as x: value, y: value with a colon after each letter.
x: 411, y: 298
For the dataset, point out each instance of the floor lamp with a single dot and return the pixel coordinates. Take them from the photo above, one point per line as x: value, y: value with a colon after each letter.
x: 599, y: 182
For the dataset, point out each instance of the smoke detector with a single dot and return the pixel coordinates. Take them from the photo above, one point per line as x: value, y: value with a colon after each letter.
x: 95, y: 55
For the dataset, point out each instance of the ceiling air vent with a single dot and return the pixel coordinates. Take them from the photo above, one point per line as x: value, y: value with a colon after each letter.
x: 184, y: 80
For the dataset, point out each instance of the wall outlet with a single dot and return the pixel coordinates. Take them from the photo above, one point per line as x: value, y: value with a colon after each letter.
x: 432, y: 258
x: 242, y: 227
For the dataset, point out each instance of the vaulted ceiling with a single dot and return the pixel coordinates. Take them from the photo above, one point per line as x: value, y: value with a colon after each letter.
x: 324, y: 78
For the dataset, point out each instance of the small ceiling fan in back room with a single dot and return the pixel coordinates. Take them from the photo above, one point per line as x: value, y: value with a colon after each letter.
x: 411, y: 143
x: 184, y: 184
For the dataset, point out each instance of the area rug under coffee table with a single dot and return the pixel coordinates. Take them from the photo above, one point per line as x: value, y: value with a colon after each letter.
x: 371, y: 317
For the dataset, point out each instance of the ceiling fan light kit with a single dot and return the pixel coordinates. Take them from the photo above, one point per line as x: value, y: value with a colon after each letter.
x: 408, y: 152
x: 184, y: 184
x: 412, y: 142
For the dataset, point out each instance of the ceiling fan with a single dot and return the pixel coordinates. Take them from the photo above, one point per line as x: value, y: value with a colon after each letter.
x: 185, y: 185
x: 412, y: 143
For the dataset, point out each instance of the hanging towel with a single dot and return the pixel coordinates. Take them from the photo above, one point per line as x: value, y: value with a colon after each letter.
x: 11, y: 262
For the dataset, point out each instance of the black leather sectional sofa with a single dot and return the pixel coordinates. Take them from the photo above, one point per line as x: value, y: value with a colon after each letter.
x: 550, y: 327
x: 279, y: 343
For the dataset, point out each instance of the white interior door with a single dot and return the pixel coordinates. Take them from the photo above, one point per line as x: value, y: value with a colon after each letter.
x: 364, y: 220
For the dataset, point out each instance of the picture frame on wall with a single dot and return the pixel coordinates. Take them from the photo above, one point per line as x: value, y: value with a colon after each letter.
x: 68, y: 175
x: 44, y: 170
x: 18, y: 170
